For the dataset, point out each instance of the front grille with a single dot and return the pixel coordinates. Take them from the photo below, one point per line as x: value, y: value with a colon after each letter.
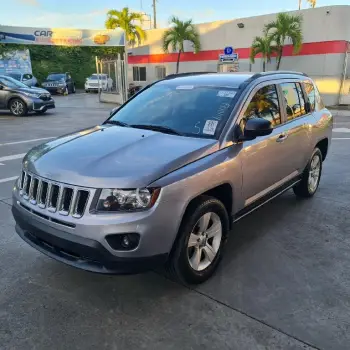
x: 45, y: 97
x: 53, y: 196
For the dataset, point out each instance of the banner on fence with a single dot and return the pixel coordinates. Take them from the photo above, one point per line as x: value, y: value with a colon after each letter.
x: 61, y: 36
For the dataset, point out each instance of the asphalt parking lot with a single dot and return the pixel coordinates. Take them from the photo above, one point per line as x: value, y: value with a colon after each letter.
x: 284, y: 282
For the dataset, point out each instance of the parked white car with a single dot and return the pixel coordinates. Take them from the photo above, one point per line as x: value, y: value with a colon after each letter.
x: 25, y: 78
x: 96, y: 81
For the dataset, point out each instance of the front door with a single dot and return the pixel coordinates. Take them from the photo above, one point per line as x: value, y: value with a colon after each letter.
x: 3, y: 94
x: 263, y: 165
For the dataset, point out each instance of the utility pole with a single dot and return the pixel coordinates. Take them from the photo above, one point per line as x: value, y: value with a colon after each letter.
x: 154, y: 14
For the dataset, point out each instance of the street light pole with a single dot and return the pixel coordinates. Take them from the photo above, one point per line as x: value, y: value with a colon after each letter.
x: 154, y: 15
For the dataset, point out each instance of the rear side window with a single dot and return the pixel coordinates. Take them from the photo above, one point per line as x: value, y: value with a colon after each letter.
x: 294, y: 100
x: 265, y: 105
x: 310, y: 92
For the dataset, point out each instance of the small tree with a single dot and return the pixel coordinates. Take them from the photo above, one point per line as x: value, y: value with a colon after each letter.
x: 176, y: 36
x: 262, y: 45
x: 124, y: 19
x: 285, y: 27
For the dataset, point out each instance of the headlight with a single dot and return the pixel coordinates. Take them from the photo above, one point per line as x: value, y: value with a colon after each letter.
x: 112, y: 200
x: 30, y: 94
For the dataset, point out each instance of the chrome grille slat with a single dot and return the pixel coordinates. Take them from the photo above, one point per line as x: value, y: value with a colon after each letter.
x: 52, y: 196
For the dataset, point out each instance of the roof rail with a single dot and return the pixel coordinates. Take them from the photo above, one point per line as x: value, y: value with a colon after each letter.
x: 178, y: 75
x: 264, y: 74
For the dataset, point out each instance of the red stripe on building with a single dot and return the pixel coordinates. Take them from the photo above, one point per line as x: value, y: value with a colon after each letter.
x: 319, y: 48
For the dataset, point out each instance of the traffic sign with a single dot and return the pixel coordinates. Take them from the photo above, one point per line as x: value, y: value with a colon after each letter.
x: 228, y: 50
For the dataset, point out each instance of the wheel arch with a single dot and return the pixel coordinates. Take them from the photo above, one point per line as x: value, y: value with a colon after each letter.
x: 323, y: 147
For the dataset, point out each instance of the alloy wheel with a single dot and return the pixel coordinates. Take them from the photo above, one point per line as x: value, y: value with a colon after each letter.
x: 204, y: 241
x: 17, y: 107
x: 314, y: 173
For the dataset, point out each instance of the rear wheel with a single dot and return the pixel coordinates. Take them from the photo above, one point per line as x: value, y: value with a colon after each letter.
x: 18, y: 107
x: 198, y: 248
x: 311, y: 177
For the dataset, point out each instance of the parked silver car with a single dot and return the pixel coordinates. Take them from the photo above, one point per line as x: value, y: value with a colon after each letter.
x: 25, y: 78
x: 165, y: 177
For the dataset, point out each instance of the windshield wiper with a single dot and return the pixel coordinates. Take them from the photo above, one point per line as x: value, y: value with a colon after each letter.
x: 116, y: 122
x: 159, y: 128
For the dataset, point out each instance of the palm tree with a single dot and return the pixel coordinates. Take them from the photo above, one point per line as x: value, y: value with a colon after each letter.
x: 124, y: 19
x: 176, y: 36
x: 264, y: 46
x: 285, y: 27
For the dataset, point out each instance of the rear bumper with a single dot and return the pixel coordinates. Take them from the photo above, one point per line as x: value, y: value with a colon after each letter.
x: 80, y: 252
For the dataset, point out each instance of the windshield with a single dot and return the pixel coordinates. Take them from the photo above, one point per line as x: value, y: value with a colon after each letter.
x: 56, y: 77
x: 95, y: 77
x: 200, y: 111
x: 12, y: 83
x: 15, y: 76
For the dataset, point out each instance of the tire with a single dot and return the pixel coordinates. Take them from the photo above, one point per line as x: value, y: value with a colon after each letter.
x: 18, y: 107
x: 311, y: 176
x: 73, y: 89
x: 182, y: 264
x: 87, y: 91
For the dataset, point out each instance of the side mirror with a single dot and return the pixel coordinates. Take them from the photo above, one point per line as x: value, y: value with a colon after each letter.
x: 113, y: 110
x: 256, y: 127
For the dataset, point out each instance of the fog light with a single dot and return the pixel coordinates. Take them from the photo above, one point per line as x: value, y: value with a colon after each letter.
x: 126, y: 242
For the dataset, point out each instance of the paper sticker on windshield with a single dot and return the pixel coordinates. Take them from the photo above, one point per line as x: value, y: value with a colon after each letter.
x: 210, y: 127
x: 185, y: 87
x: 226, y: 93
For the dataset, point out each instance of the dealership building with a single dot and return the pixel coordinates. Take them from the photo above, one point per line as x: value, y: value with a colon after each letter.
x: 325, y: 54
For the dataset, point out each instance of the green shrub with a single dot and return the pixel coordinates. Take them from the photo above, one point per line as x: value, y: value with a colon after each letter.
x: 79, y: 61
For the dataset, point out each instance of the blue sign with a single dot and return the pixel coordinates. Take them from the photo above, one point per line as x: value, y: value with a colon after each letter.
x: 228, y: 50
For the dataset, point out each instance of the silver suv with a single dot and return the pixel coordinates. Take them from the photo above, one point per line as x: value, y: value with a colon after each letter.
x: 165, y: 177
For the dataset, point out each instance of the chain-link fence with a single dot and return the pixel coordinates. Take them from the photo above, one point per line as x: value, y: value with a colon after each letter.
x: 112, y: 79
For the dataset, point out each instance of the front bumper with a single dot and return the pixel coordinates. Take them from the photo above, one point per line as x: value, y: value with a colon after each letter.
x: 55, y: 89
x: 76, y: 251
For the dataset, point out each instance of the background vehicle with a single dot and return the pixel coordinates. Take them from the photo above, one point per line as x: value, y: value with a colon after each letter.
x: 171, y: 170
x: 59, y: 83
x: 96, y: 81
x: 25, y: 78
x: 133, y: 89
x: 20, y: 99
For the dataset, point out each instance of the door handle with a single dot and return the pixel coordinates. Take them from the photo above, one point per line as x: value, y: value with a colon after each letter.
x: 282, y: 138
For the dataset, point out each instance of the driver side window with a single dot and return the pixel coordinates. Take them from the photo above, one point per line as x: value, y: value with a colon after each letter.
x: 264, y: 105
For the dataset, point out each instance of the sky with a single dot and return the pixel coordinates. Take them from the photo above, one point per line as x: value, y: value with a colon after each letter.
x: 91, y: 14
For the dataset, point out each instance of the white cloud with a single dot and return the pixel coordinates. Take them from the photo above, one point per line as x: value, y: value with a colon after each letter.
x: 29, y: 2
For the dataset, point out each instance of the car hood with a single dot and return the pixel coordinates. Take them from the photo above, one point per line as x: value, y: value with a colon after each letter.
x: 115, y: 157
x: 33, y: 90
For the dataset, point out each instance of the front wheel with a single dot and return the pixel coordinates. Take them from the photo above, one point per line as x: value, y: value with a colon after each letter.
x: 311, y: 176
x: 73, y: 89
x: 198, y: 249
x: 18, y: 108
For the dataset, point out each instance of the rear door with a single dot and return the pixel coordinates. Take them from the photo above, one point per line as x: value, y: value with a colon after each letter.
x: 294, y: 140
x: 3, y: 95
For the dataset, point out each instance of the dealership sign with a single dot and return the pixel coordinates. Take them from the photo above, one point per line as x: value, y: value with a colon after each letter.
x: 63, y: 37
x: 229, y: 55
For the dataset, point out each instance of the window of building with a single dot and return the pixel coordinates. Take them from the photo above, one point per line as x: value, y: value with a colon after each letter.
x: 265, y: 105
x: 293, y: 96
x: 160, y: 72
x: 139, y: 73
